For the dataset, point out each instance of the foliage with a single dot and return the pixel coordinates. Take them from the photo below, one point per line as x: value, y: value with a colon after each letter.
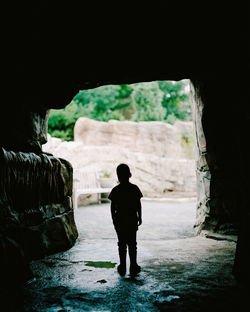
x: 146, y: 101
x: 61, y: 122
x: 107, y: 174
x: 175, y: 99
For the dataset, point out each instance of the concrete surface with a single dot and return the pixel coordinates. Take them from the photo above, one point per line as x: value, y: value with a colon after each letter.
x: 180, y: 272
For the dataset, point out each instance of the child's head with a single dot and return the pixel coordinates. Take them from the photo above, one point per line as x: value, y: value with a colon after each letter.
x: 123, y: 173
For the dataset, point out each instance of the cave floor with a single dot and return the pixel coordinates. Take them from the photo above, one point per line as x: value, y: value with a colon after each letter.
x: 180, y: 271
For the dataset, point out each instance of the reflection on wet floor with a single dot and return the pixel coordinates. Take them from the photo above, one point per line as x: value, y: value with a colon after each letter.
x: 175, y: 264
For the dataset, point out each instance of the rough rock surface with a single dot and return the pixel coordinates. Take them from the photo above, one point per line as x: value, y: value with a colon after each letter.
x: 39, y: 217
x: 155, y: 173
x: 216, y: 168
x: 36, y: 216
x: 202, y: 170
x: 29, y: 132
x: 153, y: 137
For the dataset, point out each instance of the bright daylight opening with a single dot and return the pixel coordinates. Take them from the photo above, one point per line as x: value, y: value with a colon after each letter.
x: 149, y: 127
x: 146, y: 125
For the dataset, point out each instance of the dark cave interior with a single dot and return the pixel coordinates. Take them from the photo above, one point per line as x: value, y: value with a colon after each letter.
x: 51, y: 51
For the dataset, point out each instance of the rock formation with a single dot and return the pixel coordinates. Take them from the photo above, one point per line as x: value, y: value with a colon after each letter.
x: 160, y: 155
x: 36, y: 215
x: 40, y: 214
x: 152, y: 137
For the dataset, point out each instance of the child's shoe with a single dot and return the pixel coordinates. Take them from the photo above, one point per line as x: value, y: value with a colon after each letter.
x: 121, y: 269
x: 134, y: 270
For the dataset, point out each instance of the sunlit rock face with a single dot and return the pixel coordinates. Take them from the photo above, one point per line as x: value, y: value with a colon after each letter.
x: 153, y: 137
x: 160, y: 155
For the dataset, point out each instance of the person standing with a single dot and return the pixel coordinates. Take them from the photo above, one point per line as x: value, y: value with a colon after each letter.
x: 126, y: 214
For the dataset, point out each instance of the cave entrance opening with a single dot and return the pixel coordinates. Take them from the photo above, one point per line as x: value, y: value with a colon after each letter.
x: 147, y: 125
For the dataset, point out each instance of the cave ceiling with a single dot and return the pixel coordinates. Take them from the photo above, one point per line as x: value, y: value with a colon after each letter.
x: 52, y: 50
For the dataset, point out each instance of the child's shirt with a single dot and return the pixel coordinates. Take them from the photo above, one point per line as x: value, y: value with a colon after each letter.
x: 126, y: 198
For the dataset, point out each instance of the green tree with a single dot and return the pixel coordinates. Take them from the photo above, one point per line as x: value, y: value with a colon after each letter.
x: 104, y: 103
x: 61, y: 121
x: 147, y: 102
x: 175, y: 100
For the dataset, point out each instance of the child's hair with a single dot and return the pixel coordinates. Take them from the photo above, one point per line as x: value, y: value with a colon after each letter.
x: 123, y: 172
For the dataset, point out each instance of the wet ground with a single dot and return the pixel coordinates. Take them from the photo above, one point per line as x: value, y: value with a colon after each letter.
x: 180, y: 271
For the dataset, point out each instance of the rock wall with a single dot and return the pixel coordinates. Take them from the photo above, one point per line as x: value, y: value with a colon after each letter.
x: 157, y: 174
x: 218, y: 136
x: 27, y: 130
x: 36, y: 207
x: 203, y: 173
x: 222, y: 130
x: 153, y: 137
x: 36, y: 214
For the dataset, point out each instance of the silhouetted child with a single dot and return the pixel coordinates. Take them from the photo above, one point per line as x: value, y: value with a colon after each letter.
x: 126, y: 214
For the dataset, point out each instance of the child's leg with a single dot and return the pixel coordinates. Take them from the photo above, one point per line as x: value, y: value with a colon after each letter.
x: 122, y: 250
x: 132, y: 249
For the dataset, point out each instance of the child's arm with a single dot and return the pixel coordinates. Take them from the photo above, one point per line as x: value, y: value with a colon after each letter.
x: 139, y: 213
x: 113, y: 210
